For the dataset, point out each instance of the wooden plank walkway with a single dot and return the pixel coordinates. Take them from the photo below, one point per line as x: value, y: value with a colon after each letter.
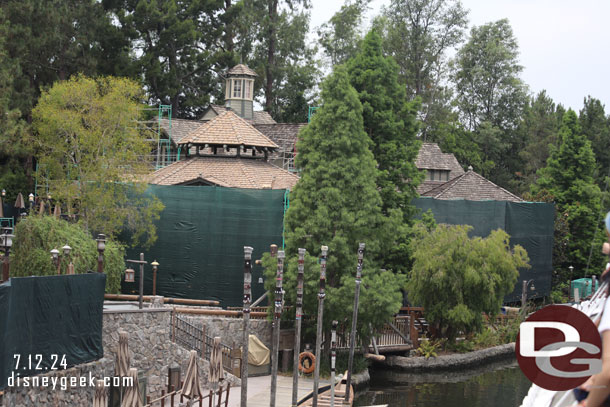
x: 259, y: 391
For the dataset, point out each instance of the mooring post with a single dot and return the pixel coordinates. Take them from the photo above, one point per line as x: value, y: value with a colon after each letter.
x: 246, y: 313
x: 141, y: 299
x: 276, y: 324
x: 333, y: 359
x: 321, y: 295
x: 352, y: 335
x: 297, y: 330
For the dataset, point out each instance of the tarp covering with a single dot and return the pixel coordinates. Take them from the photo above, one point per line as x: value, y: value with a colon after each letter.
x: 53, y: 317
x: 529, y: 224
x: 258, y: 353
x: 201, y: 237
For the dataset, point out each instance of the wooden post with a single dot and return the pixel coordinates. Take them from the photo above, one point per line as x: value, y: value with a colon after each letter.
x: 246, y: 319
x: 203, y: 344
x: 276, y: 324
x: 321, y: 295
x: 413, y: 330
x: 227, y: 395
x: 141, y: 299
x: 236, y: 361
x: 297, y: 330
x: 333, y: 358
x: 173, y: 324
x: 352, y: 335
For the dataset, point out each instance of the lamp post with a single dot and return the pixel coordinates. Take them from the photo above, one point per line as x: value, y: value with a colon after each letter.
x: 7, y: 242
x: 524, y: 291
x: 141, y: 262
x: 31, y: 199
x: 101, y: 246
x: 55, y: 258
x: 155, y: 267
x: 246, y: 313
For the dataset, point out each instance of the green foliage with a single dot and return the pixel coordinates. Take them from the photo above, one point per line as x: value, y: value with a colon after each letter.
x: 457, y: 278
x: 336, y: 203
x: 596, y: 127
x: 273, y: 41
x: 418, y: 33
x: 360, y: 364
x: 460, y: 346
x: 486, y: 74
x: 341, y: 35
x: 36, y: 235
x: 569, y: 179
x: 389, y: 121
x: 428, y: 348
x: 94, y: 155
x: 177, y: 54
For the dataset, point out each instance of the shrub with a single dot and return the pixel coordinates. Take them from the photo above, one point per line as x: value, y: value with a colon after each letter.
x: 36, y: 236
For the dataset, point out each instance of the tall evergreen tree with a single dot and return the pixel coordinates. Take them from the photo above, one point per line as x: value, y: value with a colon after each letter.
x: 336, y: 203
x: 538, y: 128
x: 340, y: 35
x: 596, y: 127
x: 390, y: 122
x: 568, y: 178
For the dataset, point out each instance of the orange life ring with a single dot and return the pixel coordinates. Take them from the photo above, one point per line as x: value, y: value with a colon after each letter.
x: 307, y: 362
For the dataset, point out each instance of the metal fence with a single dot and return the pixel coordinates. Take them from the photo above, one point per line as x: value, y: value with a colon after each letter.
x: 192, y: 336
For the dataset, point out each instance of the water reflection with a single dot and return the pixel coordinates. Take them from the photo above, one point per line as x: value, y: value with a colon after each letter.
x: 498, y: 385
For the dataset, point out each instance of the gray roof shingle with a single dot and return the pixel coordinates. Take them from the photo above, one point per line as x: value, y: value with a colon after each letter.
x: 473, y: 187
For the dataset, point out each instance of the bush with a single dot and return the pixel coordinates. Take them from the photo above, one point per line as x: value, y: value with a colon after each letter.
x: 36, y: 236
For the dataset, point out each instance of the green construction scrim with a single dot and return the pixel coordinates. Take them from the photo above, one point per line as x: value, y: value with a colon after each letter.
x: 529, y: 224
x: 49, y: 320
x: 201, y: 237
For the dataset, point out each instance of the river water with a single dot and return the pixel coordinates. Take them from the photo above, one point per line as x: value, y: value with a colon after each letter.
x: 498, y: 385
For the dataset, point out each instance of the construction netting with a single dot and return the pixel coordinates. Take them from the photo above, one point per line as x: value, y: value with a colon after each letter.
x: 201, y: 237
x: 49, y: 323
x: 529, y: 224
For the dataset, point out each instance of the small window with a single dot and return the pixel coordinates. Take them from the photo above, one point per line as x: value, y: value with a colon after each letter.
x: 247, y: 88
x: 237, y: 88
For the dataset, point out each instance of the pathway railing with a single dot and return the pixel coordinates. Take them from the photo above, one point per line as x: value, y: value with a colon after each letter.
x: 174, y: 395
x: 192, y: 336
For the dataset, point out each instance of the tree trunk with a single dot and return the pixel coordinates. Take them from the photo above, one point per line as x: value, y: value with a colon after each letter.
x: 270, y: 54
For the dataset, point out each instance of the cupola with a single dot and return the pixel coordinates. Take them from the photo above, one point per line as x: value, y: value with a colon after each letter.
x: 239, y: 93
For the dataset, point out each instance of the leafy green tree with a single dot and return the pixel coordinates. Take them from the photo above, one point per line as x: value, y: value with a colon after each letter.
x: 176, y: 49
x: 486, y: 75
x: 94, y: 156
x: 340, y: 35
x: 596, y: 127
x: 273, y: 42
x: 336, y: 203
x: 568, y: 178
x: 52, y: 40
x: 37, y: 235
x: 390, y: 122
x: 457, y: 278
x: 418, y: 34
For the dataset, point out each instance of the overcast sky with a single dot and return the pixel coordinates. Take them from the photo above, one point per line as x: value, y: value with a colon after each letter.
x: 563, y: 43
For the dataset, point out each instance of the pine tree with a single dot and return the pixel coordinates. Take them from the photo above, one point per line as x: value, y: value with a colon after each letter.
x: 568, y: 177
x: 336, y: 203
x: 389, y: 121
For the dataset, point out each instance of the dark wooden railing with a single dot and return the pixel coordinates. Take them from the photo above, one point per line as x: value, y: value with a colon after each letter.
x: 171, y: 397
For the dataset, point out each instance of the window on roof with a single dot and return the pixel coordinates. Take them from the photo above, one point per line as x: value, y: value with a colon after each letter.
x: 437, y: 175
x: 237, y: 88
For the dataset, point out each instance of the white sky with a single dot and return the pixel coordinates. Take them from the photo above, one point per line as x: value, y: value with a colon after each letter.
x: 563, y: 43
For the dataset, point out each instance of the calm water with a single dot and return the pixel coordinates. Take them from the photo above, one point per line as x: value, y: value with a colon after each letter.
x: 499, y: 385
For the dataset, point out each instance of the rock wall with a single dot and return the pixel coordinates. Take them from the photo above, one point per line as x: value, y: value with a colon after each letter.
x: 230, y: 329
x: 150, y: 350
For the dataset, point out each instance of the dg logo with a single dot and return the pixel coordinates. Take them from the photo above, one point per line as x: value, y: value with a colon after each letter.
x: 558, y: 348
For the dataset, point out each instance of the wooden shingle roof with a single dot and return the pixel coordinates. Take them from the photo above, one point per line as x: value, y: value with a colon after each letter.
x: 228, y: 129
x: 473, y: 187
x: 283, y: 134
x: 241, y: 69
x: 430, y: 157
x: 180, y: 128
x: 229, y: 172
